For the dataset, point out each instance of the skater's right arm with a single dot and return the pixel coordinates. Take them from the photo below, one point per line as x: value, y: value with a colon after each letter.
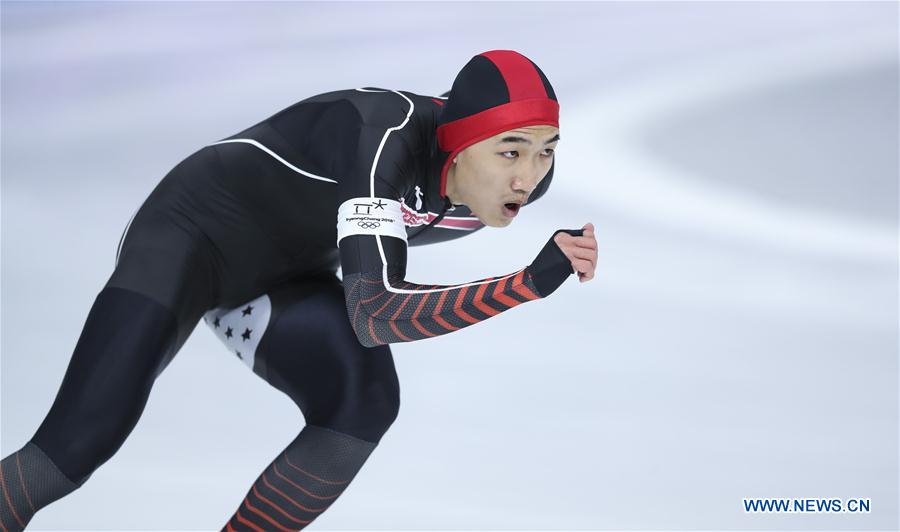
x: 386, y: 308
x: 383, y: 306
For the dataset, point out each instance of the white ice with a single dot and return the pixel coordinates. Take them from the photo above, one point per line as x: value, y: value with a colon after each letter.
x: 740, y: 163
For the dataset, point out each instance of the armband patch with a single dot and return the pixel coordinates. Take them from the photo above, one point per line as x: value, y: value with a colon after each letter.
x: 370, y: 216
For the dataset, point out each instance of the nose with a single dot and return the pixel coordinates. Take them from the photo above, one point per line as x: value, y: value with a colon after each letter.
x: 527, y: 179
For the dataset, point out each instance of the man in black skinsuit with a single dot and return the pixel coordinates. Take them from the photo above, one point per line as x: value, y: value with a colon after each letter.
x: 248, y: 232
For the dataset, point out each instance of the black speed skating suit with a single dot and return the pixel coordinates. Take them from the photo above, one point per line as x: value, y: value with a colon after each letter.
x: 244, y: 233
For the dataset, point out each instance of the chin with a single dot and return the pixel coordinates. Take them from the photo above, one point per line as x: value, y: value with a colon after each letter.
x: 496, y: 223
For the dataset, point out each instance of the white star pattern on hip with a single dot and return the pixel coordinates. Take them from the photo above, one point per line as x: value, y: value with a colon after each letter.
x: 242, y: 327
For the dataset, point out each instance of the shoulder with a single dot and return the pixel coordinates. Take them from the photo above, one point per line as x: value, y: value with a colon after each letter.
x: 392, y: 108
x: 375, y: 107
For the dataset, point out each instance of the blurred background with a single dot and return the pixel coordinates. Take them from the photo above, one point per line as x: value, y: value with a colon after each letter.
x: 740, y: 163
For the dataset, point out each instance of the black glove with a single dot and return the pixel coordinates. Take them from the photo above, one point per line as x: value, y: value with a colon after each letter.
x: 551, y: 267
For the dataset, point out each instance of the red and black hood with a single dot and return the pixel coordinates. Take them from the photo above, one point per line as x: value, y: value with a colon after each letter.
x: 496, y: 91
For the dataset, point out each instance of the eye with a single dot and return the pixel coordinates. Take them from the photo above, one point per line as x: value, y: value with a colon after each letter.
x: 551, y: 150
x: 516, y: 154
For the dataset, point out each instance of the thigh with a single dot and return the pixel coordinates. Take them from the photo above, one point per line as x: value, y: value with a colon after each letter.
x: 123, y: 345
x: 164, y: 257
x: 306, y: 347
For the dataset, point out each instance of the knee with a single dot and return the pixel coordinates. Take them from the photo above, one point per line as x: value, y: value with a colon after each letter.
x: 369, y: 401
x: 311, y: 353
x: 79, y: 443
x: 381, y: 403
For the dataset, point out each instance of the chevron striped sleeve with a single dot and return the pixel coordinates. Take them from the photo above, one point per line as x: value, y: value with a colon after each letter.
x: 409, y: 311
x: 382, y: 306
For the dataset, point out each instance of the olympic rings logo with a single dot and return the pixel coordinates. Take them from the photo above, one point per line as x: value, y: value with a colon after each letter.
x: 368, y: 225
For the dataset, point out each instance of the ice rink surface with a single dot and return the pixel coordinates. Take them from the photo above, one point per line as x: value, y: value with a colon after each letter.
x: 740, y: 163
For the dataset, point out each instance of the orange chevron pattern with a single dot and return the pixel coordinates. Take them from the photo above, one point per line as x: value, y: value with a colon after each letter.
x: 284, y: 497
x: 381, y: 316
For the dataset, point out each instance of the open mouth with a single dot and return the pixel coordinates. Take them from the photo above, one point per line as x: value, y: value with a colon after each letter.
x: 511, y: 209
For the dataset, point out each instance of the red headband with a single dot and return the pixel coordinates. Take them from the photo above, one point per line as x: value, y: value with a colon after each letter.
x: 460, y: 134
x: 529, y: 105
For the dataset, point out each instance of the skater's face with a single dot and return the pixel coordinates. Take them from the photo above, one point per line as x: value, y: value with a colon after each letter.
x: 494, y: 177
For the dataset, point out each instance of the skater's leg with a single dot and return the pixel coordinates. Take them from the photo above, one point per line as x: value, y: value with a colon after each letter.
x: 348, y: 393
x: 106, y: 385
x: 302, y: 481
x: 137, y: 323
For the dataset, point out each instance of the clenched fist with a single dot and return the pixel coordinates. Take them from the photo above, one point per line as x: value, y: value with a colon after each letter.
x: 580, y: 250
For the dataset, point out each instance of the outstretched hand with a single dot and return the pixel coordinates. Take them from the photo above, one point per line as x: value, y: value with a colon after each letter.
x: 581, y: 251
